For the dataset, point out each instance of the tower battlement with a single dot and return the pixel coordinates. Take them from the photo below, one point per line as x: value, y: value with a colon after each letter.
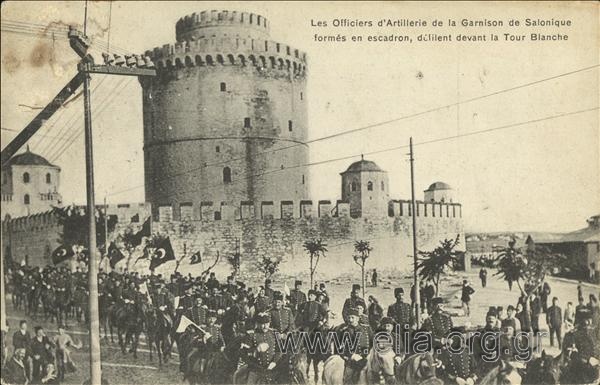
x: 229, y: 51
x: 198, y: 25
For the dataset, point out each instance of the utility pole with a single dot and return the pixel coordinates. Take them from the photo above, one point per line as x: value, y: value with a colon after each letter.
x: 105, y: 228
x: 414, y: 234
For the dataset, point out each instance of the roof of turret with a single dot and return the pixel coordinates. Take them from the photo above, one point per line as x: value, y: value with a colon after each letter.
x: 29, y: 158
x: 363, y: 165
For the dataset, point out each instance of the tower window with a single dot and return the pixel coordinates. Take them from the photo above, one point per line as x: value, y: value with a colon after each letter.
x: 217, y: 149
x: 301, y: 96
x: 48, y: 178
x: 226, y: 175
x: 26, y: 199
x: 247, y: 123
x: 223, y: 87
x: 353, y: 186
x: 382, y: 186
x: 302, y: 178
x: 290, y: 124
x: 25, y: 177
x: 370, y: 186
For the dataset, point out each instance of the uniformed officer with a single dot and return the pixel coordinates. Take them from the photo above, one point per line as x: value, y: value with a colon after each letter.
x: 312, y: 315
x: 263, y: 352
x: 458, y: 365
x: 400, y: 311
x: 198, y: 312
x: 297, y: 297
x: 391, y: 345
x: 282, y: 318
x: 261, y: 302
x: 439, y: 323
x: 486, y: 347
x: 353, y: 301
x: 355, y: 344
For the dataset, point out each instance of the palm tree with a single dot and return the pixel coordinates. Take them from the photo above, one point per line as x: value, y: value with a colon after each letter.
x: 315, y: 249
x: 362, y: 249
x: 437, y: 261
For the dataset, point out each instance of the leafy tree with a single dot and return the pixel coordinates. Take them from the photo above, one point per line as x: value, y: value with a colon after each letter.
x: 268, y: 266
x: 435, y: 262
x: 527, y: 268
x: 362, y: 250
x: 75, y: 227
x: 315, y: 249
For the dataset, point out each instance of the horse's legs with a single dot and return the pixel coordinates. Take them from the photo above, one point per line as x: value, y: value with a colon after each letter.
x: 121, y: 342
x: 316, y: 370
x: 134, y: 343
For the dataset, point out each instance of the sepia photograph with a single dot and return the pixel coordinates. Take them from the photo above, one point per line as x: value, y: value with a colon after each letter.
x: 322, y: 193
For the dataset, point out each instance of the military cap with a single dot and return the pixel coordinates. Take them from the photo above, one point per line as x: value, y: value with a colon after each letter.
x: 278, y: 295
x: 387, y: 320
x: 510, y: 307
x: 297, y: 282
x: 267, y: 281
x: 437, y: 300
x: 263, y: 318
x: 355, y: 286
x: 397, y: 291
x: 353, y: 311
x: 492, y: 312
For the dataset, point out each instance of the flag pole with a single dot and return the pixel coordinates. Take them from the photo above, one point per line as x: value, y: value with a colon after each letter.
x: 414, y: 237
x: 105, y: 228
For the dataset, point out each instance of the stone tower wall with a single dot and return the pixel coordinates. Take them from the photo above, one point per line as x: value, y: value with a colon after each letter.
x: 225, y: 98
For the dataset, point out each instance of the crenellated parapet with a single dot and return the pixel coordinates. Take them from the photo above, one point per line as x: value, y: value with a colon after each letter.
x: 198, y: 25
x: 229, y: 51
x: 289, y: 209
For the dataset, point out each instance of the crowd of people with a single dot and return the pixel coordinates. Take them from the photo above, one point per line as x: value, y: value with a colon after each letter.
x: 207, y: 317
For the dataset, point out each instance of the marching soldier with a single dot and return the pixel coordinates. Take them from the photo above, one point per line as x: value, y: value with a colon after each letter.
x: 282, y: 319
x: 353, y: 301
x: 263, y: 352
x: 354, y: 353
x: 297, y: 297
x: 401, y: 311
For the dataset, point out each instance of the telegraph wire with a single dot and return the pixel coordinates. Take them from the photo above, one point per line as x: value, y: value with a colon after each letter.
x: 100, y: 110
x: 424, y: 112
x: 437, y: 140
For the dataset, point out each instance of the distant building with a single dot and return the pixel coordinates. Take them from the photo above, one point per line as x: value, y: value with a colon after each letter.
x: 581, y: 246
x: 30, y: 185
x: 439, y: 192
x: 365, y: 186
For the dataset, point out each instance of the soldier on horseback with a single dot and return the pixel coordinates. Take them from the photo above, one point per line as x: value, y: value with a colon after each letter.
x: 263, y: 353
x: 582, y: 349
x: 354, y: 342
x: 458, y: 365
x: 297, y: 297
x: 282, y: 319
x: 439, y: 323
x: 353, y: 301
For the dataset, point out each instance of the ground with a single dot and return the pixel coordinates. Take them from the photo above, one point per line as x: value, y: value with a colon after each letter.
x: 123, y: 369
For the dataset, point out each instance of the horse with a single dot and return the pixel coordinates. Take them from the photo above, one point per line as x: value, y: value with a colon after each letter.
x: 80, y: 305
x: 543, y: 370
x: 333, y: 371
x: 49, y: 304
x: 161, y: 335
x: 129, y: 320
x: 105, y: 312
x: 418, y: 369
x: 315, y: 353
x: 381, y: 363
x: 503, y: 374
x: 62, y: 304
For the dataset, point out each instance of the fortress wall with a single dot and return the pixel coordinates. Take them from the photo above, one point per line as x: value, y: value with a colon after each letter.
x: 281, y: 235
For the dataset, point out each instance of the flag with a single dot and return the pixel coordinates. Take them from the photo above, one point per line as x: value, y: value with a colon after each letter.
x: 144, y: 232
x: 144, y: 290
x: 286, y: 289
x: 184, y: 323
x: 196, y: 258
x: 61, y: 254
x: 114, y: 255
x: 163, y: 253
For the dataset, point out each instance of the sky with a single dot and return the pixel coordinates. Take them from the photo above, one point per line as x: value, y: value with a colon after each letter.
x: 536, y: 166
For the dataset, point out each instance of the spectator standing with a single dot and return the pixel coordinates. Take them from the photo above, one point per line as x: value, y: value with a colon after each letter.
x: 554, y: 321
x: 374, y: 277
x: 544, y: 294
x: 536, y: 309
x: 375, y: 312
x: 569, y: 317
x: 483, y: 276
x: 467, y: 292
x: 511, y: 320
x: 63, y: 342
x: 41, y: 353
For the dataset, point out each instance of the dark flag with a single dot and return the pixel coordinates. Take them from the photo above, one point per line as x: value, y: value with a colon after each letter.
x: 196, y: 258
x: 61, y: 254
x: 144, y: 232
x: 114, y: 255
x: 163, y: 253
